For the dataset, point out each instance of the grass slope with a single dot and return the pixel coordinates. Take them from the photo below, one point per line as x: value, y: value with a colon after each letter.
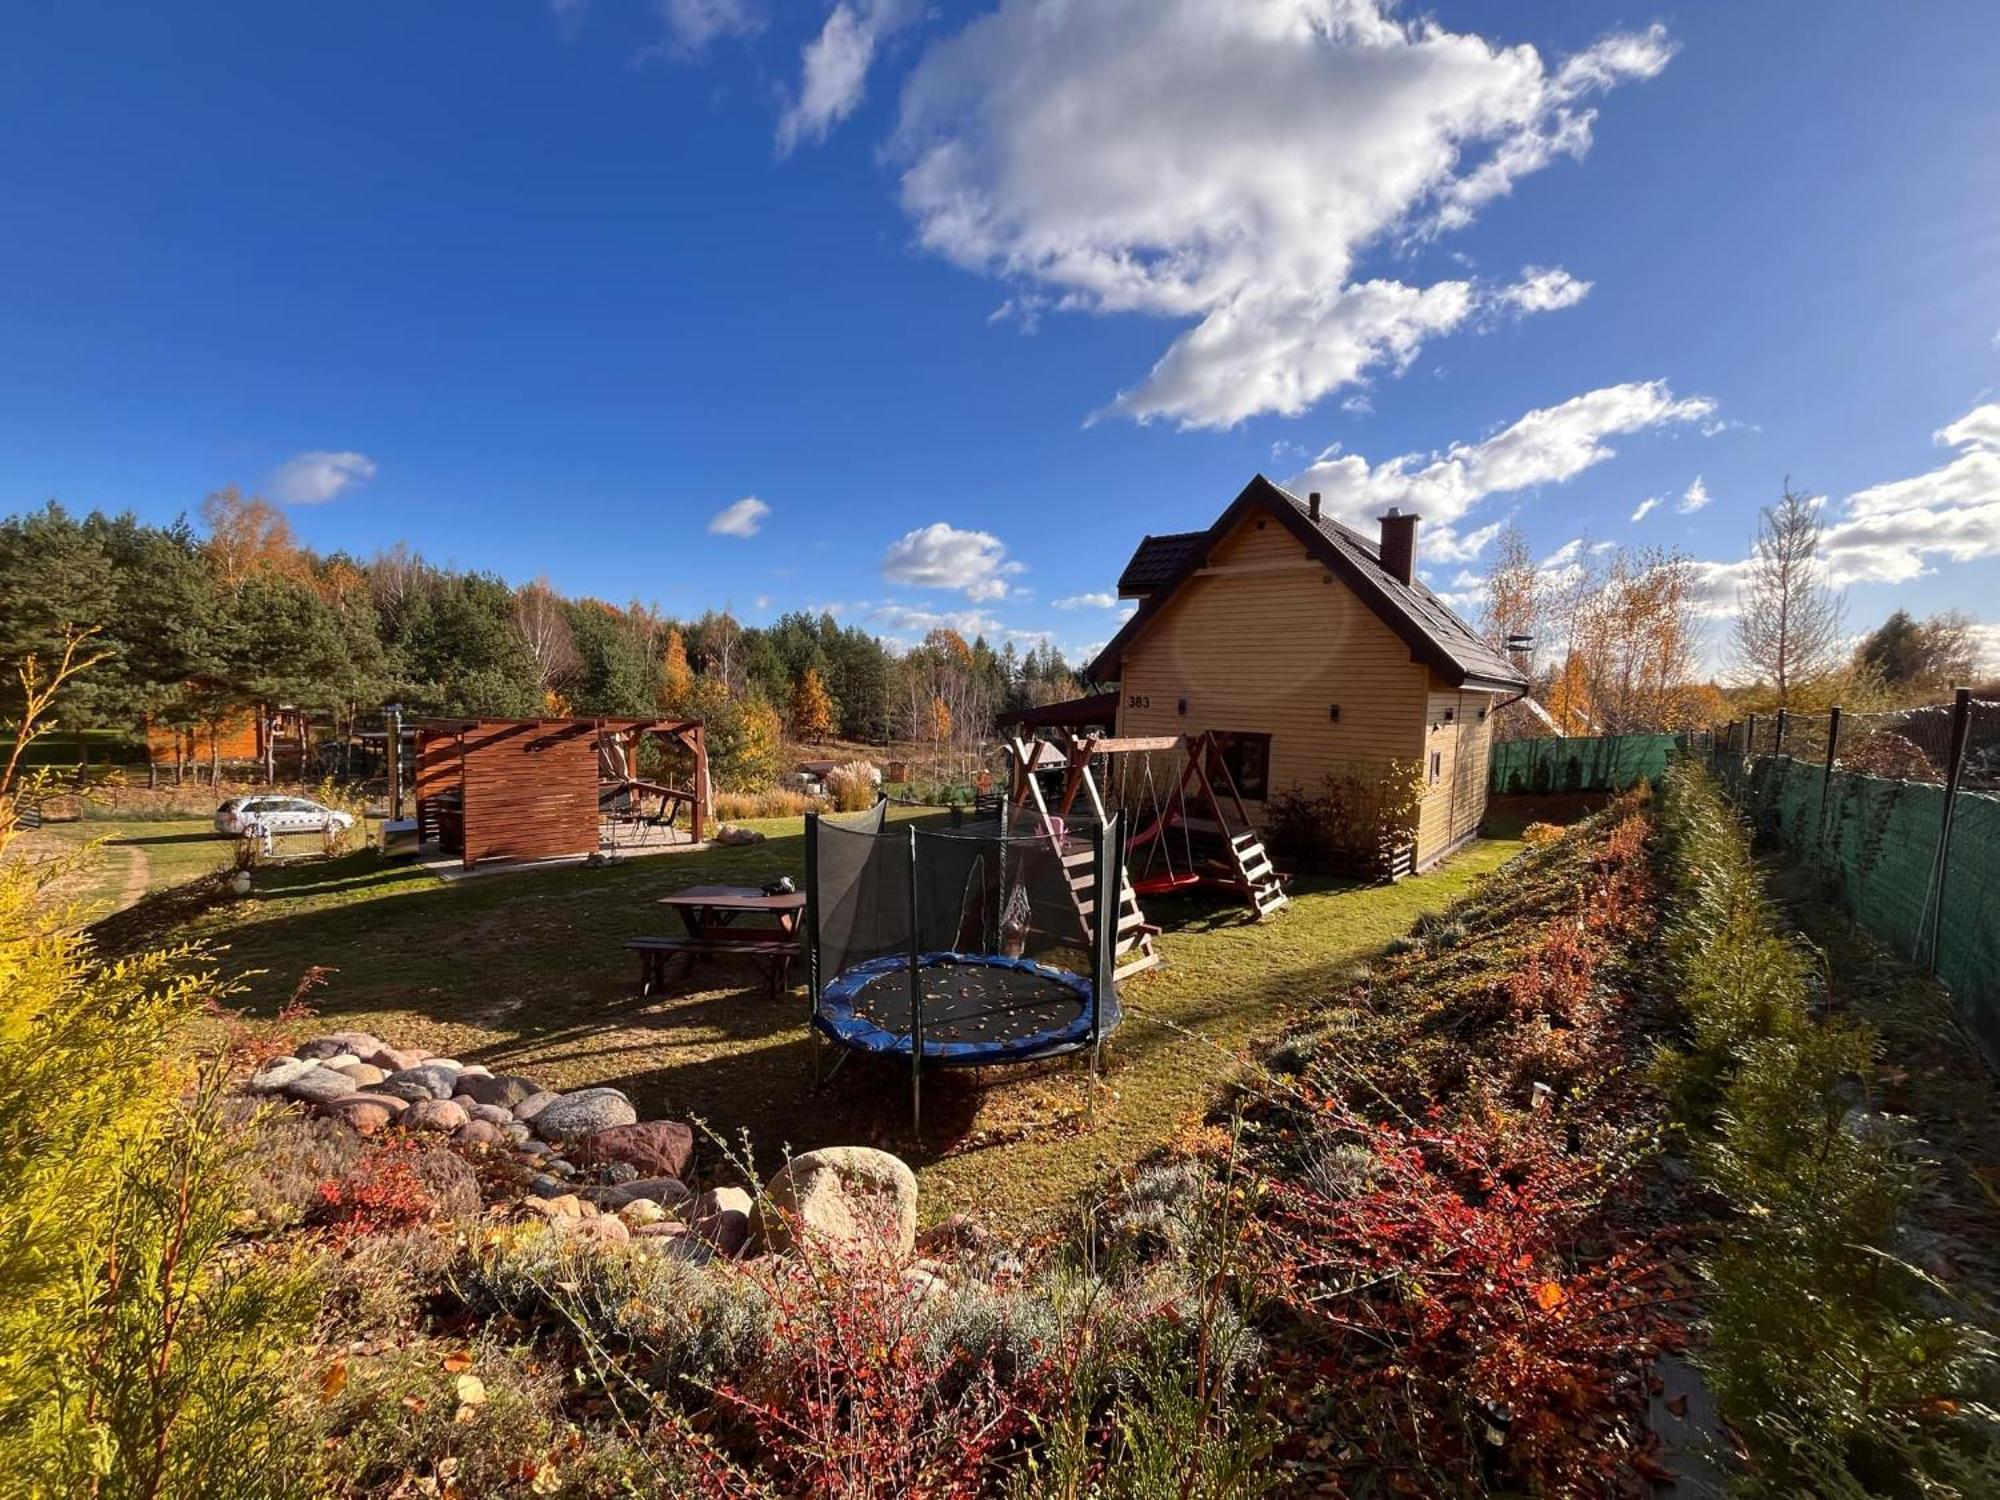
x: 528, y: 972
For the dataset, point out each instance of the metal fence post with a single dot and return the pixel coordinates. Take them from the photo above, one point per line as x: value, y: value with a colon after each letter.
x: 1826, y: 779
x: 1961, y: 724
x: 1778, y: 737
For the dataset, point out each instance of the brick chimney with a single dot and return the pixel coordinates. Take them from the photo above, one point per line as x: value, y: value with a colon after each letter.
x: 1312, y: 505
x: 1399, y: 544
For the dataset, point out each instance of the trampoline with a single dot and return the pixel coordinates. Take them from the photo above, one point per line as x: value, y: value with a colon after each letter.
x: 957, y: 949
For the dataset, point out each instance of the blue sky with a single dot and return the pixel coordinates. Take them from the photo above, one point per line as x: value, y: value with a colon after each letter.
x: 970, y: 296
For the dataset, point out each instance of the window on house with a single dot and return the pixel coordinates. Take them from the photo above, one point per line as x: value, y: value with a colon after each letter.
x: 1437, y: 766
x: 1247, y: 759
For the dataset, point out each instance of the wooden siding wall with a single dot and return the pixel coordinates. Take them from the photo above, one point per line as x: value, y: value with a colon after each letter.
x: 530, y: 791
x: 437, y: 766
x: 1462, y: 740
x: 1270, y: 650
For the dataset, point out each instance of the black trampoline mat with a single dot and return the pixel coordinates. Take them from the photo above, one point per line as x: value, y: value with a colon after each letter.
x: 971, y: 1002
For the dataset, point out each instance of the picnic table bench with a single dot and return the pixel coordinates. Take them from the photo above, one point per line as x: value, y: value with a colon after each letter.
x: 711, y: 916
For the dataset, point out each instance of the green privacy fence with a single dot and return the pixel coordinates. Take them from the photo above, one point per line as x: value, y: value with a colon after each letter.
x: 1876, y: 841
x: 1596, y: 763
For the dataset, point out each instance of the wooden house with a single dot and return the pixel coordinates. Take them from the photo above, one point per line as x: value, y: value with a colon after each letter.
x: 1307, y: 649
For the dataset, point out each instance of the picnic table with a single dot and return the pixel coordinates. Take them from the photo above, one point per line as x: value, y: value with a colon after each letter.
x: 712, y: 916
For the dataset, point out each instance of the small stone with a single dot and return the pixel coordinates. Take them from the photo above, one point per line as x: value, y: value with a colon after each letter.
x: 478, y: 1133
x: 558, y: 1167
x: 393, y: 1059
x: 334, y: 1043
x: 543, y: 1185
x: 505, y: 1089
x: 557, y: 1205
x: 434, y: 1114
x: 924, y: 1286
x: 603, y: 1228
x: 318, y: 1086
x: 664, y: 1229
x: 619, y: 1171
x: 340, y: 1063
x: 520, y: 1135
x: 586, y: 1112
x: 533, y: 1105
x: 474, y: 1070
x: 492, y: 1114
x: 363, y: 1074
x: 721, y: 1216
x: 424, y: 1081
x: 533, y: 1147
x: 641, y: 1211
x: 659, y: 1148
x: 278, y: 1072
x: 464, y: 1101
x: 452, y: 1063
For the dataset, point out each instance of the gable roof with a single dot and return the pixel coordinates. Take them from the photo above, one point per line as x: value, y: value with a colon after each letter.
x: 1157, y: 559
x: 1435, y: 634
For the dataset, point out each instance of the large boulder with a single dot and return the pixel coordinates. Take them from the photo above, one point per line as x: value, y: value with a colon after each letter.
x: 318, y: 1086
x: 844, y: 1198
x: 394, y: 1059
x: 279, y: 1071
x: 584, y: 1113
x: 360, y: 1043
x: 503, y: 1089
x: 363, y: 1074
x: 476, y: 1133
x: 492, y: 1114
x: 721, y: 1216
x: 656, y: 1148
x: 533, y: 1105
x: 434, y: 1114
x: 367, y: 1113
x: 424, y: 1081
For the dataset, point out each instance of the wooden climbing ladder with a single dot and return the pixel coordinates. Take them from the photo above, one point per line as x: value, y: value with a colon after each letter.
x: 1133, y: 948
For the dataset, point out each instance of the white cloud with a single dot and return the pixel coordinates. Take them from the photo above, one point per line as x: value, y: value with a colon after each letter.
x: 762, y: 601
x: 1645, y: 508
x: 833, y: 68
x: 1885, y: 533
x: 1893, y: 532
x: 940, y: 556
x: 1544, y: 289
x: 1986, y: 646
x: 1231, y: 162
x: 743, y: 517
x: 1695, y: 497
x: 1547, y: 446
x: 1088, y: 601
x: 692, y: 25
x: 316, y: 477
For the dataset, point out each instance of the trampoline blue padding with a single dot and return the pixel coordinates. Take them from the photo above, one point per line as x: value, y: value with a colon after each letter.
x: 978, y: 1009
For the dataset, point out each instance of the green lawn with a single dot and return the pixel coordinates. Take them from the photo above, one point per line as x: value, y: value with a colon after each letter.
x: 138, y: 855
x: 527, y: 971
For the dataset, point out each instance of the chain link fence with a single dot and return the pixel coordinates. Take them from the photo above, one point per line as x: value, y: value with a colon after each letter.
x: 1900, y: 812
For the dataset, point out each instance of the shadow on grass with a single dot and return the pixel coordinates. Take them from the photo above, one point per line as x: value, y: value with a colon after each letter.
x: 529, y: 972
x: 144, y: 840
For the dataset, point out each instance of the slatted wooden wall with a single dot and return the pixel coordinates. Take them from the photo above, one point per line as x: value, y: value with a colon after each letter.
x: 530, y: 790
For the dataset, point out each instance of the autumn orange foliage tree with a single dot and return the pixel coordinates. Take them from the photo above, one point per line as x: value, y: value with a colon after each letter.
x: 812, y: 707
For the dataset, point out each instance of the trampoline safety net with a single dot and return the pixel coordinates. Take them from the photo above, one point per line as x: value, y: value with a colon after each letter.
x: 958, y: 948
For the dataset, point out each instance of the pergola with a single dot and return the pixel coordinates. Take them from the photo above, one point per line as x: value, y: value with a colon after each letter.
x: 529, y: 789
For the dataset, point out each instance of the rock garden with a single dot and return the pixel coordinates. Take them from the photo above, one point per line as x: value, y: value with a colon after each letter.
x: 584, y: 1162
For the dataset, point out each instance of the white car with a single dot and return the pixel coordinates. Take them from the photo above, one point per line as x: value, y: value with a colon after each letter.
x: 241, y: 816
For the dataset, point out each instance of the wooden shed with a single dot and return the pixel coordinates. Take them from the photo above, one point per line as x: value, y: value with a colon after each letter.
x: 528, y: 789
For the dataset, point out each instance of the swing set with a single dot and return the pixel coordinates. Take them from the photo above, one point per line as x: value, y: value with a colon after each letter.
x: 1183, y: 836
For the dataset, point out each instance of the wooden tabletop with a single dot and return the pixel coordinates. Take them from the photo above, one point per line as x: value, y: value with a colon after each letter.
x: 735, y: 898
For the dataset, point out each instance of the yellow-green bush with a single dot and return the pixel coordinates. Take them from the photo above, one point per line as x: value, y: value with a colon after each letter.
x: 140, y: 1347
